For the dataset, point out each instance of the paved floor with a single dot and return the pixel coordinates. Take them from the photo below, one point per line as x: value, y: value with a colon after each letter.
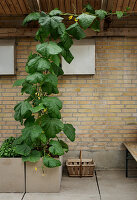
x: 106, y: 185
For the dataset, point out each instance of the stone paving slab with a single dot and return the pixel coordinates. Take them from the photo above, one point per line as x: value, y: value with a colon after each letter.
x: 71, y: 189
x: 11, y: 196
x: 115, y: 186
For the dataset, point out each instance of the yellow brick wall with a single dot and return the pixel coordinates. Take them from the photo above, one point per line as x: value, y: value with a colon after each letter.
x: 100, y: 106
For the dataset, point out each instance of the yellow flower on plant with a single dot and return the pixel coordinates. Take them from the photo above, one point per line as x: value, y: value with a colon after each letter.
x: 36, y: 169
x: 45, y: 110
x: 70, y: 17
x: 39, y: 98
x: 76, y: 20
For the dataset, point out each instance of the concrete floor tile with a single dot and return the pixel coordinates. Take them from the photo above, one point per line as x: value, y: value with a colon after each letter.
x: 11, y: 196
x: 71, y: 189
x: 42, y: 196
x: 114, y: 185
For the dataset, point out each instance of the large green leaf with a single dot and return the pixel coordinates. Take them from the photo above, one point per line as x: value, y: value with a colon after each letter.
x: 42, y: 34
x: 86, y: 20
x: 18, y: 82
x: 55, y: 12
x: 56, y: 59
x: 51, y: 162
x: 56, y: 148
x: 43, y: 64
x: 96, y: 25
x: 32, y: 63
x: 23, y: 149
x: 35, y: 78
x: 52, y: 126
x: 67, y: 55
x: 28, y: 88
x: 37, y: 108
x: 101, y: 13
x: 53, y: 104
x: 31, y: 17
x: 76, y: 31
x: 33, y: 131
x: 34, y: 156
x: 57, y: 70
x: 50, y: 48
x: 29, y: 121
x: 69, y: 131
x: 66, y: 40
x: 50, y: 84
x: 43, y: 138
x: 64, y: 145
x: 22, y: 111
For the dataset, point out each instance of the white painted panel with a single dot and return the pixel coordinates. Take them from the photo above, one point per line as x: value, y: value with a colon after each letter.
x: 6, y: 57
x: 84, y: 58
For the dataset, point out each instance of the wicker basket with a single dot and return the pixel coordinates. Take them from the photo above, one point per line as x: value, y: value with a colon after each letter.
x: 80, y: 167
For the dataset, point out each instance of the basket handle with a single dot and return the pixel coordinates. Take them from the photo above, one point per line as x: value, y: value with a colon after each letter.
x: 80, y: 163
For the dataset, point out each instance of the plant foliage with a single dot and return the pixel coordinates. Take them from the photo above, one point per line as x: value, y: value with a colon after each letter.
x: 40, y: 111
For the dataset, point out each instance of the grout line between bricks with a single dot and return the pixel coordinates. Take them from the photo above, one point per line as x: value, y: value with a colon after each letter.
x: 98, y: 185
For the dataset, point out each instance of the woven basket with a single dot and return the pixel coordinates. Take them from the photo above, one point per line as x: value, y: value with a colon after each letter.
x: 80, y: 167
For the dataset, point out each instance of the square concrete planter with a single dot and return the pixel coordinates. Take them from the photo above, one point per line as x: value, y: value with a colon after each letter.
x: 43, y: 180
x: 12, y: 176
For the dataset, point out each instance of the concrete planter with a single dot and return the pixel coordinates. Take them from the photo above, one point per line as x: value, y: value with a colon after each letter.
x: 42, y: 180
x: 12, y: 176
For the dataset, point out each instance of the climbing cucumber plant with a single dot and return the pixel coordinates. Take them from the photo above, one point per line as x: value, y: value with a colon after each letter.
x: 40, y: 111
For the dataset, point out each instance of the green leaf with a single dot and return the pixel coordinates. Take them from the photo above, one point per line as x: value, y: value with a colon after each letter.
x: 37, y: 108
x: 119, y: 14
x: 57, y: 70
x: 31, y: 17
x: 22, y: 111
x: 29, y: 121
x: 64, y: 146
x: 33, y: 157
x: 33, y: 131
x: 23, y: 149
x: 89, y: 9
x: 69, y: 131
x: 43, y: 64
x: 35, y: 78
x: 28, y: 88
x: 18, y: 140
x: 43, y: 138
x: 61, y: 28
x: 42, y: 34
x: 86, y: 20
x: 96, y: 25
x: 53, y: 104
x: 52, y: 126
x: 76, y: 31
x: 55, y: 12
x: 50, y: 84
x: 67, y: 55
x: 32, y: 63
x: 66, y: 40
x: 50, y: 48
x: 18, y: 82
x: 56, y: 59
x: 101, y: 13
x: 51, y: 162
x: 56, y: 148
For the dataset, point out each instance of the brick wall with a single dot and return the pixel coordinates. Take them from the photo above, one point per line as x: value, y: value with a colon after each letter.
x: 99, y: 106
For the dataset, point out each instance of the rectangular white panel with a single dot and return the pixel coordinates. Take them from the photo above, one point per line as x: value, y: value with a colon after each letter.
x: 7, y: 57
x: 84, y: 58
